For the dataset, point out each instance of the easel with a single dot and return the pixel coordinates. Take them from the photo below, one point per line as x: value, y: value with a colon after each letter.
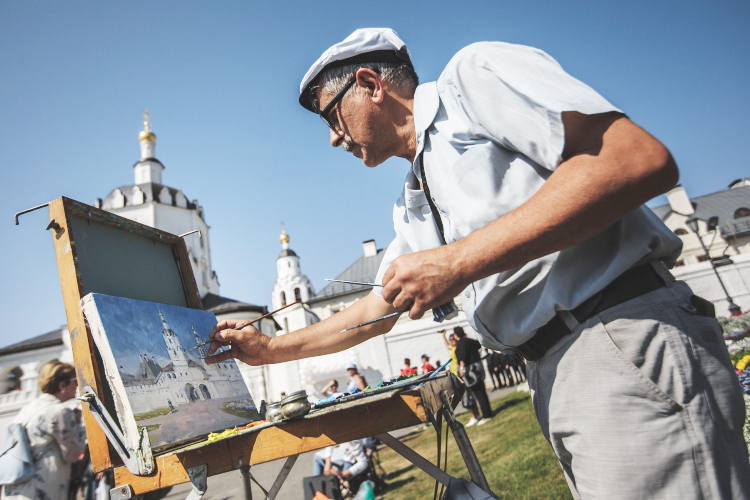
x: 98, y: 251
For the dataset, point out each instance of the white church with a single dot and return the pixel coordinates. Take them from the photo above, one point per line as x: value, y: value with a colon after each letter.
x: 719, y: 272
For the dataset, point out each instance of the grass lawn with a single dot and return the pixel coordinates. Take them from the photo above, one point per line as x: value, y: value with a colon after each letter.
x: 516, y: 459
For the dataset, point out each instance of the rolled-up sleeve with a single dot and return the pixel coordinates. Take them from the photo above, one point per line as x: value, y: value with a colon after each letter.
x: 515, y: 95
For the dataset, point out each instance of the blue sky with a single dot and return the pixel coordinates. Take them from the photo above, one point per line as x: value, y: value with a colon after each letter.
x: 221, y: 79
x: 134, y: 327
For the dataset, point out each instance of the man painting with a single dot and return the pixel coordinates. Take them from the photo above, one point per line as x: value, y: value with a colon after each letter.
x: 525, y: 197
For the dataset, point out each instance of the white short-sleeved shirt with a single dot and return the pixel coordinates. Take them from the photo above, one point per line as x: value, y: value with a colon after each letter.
x: 491, y: 132
x: 351, y: 451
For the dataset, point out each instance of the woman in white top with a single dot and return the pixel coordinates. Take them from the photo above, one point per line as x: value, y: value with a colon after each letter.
x: 55, y: 435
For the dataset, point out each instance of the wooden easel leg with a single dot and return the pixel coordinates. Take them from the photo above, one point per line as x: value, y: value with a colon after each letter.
x: 246, y: 486
x: 283, y: 473
x: 464, y: 445
x: 199, y: 479
x: 277, y: 484
x: 415, y: 458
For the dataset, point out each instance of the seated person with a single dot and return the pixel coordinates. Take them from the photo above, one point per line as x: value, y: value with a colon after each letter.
x: 346, y: 460
x: 408, y: 369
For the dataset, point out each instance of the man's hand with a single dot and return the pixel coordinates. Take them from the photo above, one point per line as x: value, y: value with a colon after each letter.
x: 421, y: 281
x: 246, y: 342
x: 330, y: 335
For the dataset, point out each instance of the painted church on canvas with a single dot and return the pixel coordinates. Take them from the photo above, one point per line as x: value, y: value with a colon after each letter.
x: 183, y: 380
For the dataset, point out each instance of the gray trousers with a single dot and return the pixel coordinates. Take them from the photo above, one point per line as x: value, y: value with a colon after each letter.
x: 641, y: 401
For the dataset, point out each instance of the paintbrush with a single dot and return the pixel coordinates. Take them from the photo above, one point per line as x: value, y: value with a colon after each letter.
x: 354, y: 282
x: 250, y: 323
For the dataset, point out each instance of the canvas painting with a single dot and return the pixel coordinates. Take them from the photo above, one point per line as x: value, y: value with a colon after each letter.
x: 155, y: 363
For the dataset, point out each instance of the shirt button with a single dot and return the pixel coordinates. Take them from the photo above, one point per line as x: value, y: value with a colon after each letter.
x: 467, y: 293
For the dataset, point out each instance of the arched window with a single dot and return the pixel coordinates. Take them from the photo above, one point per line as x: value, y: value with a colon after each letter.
x: 741, y: 212
x: 297, y: 294
x: 680, y: 232
x: 283, y: 298
x: 309, y: 292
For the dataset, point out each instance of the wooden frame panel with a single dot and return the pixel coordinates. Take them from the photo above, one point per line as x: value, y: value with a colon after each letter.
x: 382, y: 413
x: 89, y: 371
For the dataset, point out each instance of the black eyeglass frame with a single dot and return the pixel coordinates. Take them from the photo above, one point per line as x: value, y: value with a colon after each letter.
x: 327, y: 110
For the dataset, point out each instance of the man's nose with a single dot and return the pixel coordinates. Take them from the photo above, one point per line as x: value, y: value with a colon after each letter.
x: 336, y: 138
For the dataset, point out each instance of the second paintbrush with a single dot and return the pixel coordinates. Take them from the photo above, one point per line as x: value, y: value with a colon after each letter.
x: 250, y: 323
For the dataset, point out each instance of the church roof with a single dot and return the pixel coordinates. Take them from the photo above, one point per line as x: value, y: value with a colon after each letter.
x: 220, y: 305
x: 148, y: 369
x: 287, y: 252
x: 722, y: 204
x: 364, y: 269
x: 148, y: 160
x: 40, y: 341
x: 151, y: 191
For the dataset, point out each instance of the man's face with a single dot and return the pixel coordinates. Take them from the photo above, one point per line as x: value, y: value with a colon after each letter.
x: 359, y: 126
x: 351, y: 371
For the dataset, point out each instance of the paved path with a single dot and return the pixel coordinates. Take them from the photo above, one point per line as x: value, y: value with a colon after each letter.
x: 229, y: 485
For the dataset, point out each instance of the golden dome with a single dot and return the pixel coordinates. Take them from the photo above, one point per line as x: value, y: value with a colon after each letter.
x: 284, y: 237
x: 146, y: 134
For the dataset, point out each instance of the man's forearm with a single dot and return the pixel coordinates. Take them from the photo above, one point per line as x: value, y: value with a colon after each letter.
x: 599, y: 182
x: 326, y: 336
x: 586, y: 194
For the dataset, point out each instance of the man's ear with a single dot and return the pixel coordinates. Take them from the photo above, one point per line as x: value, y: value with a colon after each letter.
x: 372, y: 83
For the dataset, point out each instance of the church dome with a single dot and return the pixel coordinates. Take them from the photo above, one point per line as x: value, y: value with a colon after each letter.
x: 284, y: 237
x: 146, y: 135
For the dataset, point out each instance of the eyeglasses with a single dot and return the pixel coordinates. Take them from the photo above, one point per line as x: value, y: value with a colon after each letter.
x: 333, y: 123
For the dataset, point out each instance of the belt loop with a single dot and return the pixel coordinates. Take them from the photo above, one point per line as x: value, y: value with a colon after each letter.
x: 661, y: 269
x: 570, y: 321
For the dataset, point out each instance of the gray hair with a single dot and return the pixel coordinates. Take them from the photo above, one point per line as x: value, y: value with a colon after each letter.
x: 333, y: 80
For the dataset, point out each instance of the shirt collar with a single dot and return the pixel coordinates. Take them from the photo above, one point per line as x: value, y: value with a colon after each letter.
x: 426, y: 103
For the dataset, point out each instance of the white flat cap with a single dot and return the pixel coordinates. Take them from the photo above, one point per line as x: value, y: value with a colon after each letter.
x: 363, y: 46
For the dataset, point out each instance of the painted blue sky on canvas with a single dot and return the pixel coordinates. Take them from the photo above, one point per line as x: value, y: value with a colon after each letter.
x: 133, y: 327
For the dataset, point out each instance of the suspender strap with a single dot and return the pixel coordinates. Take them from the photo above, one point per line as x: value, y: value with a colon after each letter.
x: 433, y: 208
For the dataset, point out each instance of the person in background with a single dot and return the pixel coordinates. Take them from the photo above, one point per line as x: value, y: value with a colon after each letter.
x: 495, y: 365
x: 56, y: 436
x: 350, y: 461
x: 467, y: 354
x: 450, y: 344
x: 468, y: 398
x: 356, y: 381
x: 331, y: 389
x: 426, y: 366
x: 408, y: 370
